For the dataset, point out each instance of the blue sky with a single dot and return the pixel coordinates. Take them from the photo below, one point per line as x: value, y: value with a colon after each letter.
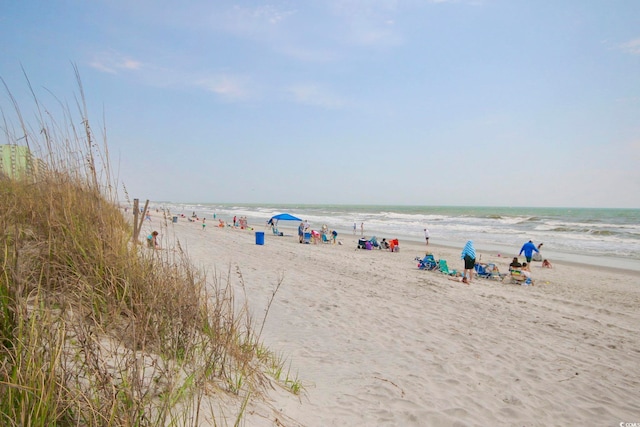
x: 479, y: 102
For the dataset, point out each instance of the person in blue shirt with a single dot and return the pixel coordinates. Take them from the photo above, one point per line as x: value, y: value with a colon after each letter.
x: 528, y: 248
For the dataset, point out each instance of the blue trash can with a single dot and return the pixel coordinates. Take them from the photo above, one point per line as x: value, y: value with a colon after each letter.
x: 175, y: 219
x: 259, y: 237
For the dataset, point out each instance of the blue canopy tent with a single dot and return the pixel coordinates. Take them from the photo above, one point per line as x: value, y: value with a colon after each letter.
x: 285, y: 217
x: 281, y: 217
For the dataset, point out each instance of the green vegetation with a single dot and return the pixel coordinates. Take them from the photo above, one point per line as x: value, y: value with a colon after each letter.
x: 96, y: 330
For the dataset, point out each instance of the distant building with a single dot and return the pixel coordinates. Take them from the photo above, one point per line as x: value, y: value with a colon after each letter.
x: 17, y: 162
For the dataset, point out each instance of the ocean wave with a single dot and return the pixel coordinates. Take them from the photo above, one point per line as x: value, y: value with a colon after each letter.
x: 563, y: 229
x: 603, y: 233
x: 590, y: 231
x: 533, y: 219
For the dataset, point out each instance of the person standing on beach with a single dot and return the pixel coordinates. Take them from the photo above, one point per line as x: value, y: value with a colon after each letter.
x: 354, y: 228
x: 528, y: 249
x: 362, y: 229
x: 469, y: 257
x: 203, y: 223
x: 301, y: 232
x: 426, y: 235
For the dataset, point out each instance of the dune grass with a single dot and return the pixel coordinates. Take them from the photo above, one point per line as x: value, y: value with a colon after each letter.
x: 97, y: 330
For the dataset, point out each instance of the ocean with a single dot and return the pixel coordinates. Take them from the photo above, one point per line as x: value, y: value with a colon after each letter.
x: 603, y: 237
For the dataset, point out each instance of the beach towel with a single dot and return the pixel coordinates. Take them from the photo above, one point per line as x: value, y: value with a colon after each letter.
x: 468, y: 250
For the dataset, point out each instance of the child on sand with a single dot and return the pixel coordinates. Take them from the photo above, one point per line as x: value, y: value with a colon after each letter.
x: 152, y: 240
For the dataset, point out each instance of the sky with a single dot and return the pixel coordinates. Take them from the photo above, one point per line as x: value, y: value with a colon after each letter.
x: 376, y: 102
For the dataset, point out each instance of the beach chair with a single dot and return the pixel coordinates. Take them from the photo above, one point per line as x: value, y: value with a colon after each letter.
x: 306, y: 238
x: 444, y: 268
x: 276, y: 232
x: 488, y: 271
x: 494, y: 272
x: 427, y: 263
x: 482, y: 270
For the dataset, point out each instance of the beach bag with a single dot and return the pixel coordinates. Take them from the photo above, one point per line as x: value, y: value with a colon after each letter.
x: 537, y: 257
x: 362, y: 243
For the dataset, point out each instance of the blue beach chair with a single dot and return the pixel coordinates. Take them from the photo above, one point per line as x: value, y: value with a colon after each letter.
x: 427, y: 263
x: 481, y: 271
x: 488, y: 271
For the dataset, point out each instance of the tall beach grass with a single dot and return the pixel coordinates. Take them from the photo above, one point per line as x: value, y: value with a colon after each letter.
x: 95, y: 329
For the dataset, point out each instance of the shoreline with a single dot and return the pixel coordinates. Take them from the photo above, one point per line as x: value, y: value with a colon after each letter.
x: 626, y: 265
x: 587, y: 236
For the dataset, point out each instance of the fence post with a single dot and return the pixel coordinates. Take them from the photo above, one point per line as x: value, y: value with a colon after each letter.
x: 136, y: 212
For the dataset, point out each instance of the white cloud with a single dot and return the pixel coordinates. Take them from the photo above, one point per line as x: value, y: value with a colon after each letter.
x: 363, y: 7
x: 101, y: 66
x: 309, y: 54
x: 368, y: 22
x: 131, y: 64
x: 369, y: 33
x: 632, y: 46
x: 113, y: 62
x: 311, y: 94
x: 254, y: 22
x: 229, y: 87
x: 270, y: 14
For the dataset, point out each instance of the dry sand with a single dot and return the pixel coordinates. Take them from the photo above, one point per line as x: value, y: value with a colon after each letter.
x: 377, y: 342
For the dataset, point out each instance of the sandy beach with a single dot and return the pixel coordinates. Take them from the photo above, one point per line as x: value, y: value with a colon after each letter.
x: 377, y: 342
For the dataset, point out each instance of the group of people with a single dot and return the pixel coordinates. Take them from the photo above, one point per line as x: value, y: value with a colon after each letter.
x: 324, y: 235
x: 529, y: 249
x: 393, y: 245
x: 240, y: 222
x: 532, y: 253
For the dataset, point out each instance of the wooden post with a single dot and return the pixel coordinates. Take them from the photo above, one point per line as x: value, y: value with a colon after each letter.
x: 136, y: 211
x: 139, y: 227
